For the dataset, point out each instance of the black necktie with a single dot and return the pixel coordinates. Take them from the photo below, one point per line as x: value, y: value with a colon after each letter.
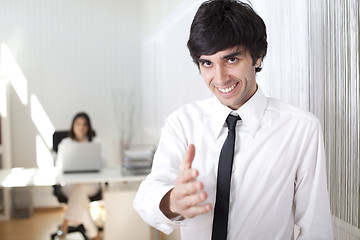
x: 221, y: 211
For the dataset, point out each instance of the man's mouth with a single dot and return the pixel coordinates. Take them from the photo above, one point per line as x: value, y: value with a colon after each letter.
x: 228, y: 89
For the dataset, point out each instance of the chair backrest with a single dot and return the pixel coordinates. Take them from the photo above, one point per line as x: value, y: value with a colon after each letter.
x: 57, y: 137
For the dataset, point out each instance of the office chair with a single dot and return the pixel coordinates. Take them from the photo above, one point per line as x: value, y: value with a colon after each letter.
x: 61, y: 197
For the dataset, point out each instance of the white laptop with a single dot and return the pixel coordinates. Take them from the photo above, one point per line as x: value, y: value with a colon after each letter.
x: 80, y: 157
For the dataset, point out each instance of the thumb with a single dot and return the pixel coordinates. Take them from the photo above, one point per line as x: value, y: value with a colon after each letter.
x: 189, y: 157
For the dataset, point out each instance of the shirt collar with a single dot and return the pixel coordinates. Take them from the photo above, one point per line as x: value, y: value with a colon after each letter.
x: 251, y: 113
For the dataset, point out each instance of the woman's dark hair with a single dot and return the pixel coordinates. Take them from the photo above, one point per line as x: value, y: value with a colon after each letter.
x: 222, y: 24
x: 90, y: 134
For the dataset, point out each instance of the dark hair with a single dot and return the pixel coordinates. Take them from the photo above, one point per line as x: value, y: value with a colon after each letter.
x: 222, y: 24
x: 90, y: 134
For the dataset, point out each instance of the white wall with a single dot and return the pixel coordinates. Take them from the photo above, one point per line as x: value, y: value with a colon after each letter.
x: 76, y: 56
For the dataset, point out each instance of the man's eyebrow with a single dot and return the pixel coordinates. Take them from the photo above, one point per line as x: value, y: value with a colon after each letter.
x: 202, y: 60
x: 234, y: 54
x: 231, y: 55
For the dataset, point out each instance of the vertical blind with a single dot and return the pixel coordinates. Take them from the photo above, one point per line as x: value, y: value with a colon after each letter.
x: 334, y: 98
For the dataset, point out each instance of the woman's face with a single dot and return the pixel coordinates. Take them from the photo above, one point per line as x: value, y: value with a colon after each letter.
x: 80, y: 129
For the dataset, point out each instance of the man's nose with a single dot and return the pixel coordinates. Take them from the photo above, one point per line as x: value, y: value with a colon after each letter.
x: 221, y: 75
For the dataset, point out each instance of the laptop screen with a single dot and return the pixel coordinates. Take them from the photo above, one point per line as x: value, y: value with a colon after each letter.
x: 80, y: 157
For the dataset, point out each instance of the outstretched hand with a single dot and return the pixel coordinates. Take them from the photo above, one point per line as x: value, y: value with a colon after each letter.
x: 187, y: 195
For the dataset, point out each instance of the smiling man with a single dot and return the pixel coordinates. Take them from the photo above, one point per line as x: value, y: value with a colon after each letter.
x: 230, y: 75
x: 259, y: 166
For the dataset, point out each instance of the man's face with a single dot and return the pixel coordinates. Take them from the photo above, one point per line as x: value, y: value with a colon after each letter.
x: 230, y: 75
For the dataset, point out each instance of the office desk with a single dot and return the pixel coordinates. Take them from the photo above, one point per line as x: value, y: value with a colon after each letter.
x: 118, y: 202
x: 22, y: 177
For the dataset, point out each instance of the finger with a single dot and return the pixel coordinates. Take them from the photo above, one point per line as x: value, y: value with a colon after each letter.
x: 188, y: 189
x: 190, y: 205
x: 197, y: 210
x: 193, y: 199
x: 189, y: 157
x: 185, y: 176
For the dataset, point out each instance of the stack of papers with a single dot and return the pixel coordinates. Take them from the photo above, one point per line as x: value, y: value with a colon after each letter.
x: 138, y: 160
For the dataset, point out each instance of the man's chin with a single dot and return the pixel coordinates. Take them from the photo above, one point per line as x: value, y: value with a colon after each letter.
x: 229, y: 104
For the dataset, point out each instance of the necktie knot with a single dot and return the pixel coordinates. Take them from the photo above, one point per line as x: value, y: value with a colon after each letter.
x: 231, y: 122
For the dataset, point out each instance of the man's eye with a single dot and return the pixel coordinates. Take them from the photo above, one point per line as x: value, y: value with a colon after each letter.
x: 232, y: 60
x: 206, y: 63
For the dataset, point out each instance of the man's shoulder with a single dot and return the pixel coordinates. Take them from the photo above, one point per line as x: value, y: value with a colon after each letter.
x: 189, y: 115
x: 282, y: 108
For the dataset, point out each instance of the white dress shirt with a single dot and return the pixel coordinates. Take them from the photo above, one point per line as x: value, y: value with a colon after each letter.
x: 278, y: 179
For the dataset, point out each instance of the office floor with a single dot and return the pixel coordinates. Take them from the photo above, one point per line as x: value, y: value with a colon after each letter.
x: 39, y: 226
x: 42, y: 224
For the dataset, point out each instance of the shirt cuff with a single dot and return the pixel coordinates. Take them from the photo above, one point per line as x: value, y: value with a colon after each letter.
x: 168, y: 225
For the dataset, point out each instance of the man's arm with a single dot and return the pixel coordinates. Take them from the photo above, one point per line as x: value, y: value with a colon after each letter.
x: 312, y: 210
x: 167, y: 180
x: 187, y: 195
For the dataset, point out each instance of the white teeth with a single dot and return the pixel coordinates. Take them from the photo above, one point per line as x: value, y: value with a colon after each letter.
x: 226, y: 90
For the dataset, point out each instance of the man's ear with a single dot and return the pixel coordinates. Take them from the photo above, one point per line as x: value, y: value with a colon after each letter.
x: 258, y: 62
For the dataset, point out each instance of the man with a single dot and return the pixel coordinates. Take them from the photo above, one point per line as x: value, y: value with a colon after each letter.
x: 278, y: 176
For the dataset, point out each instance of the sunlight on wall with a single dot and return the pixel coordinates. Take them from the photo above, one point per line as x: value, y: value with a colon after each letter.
x: 41, y: 121
x: 3, y: 102
x: 13, y: 73
x: 43, y: 155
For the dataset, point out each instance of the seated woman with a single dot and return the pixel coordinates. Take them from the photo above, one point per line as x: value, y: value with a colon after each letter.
x: 78, y: 211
